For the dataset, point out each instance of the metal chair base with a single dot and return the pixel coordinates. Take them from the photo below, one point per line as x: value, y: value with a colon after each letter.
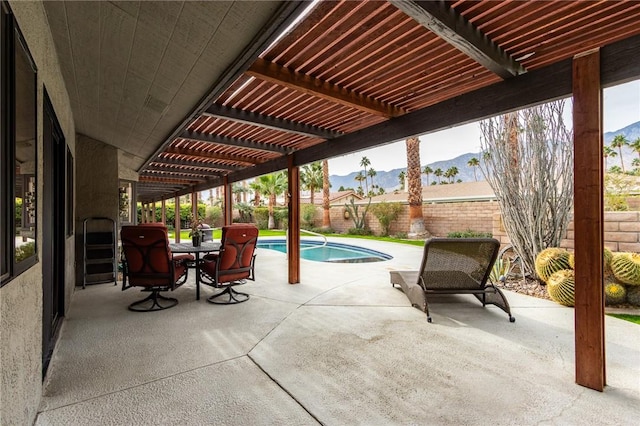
x: 155, y: 298
x: 232, y: 297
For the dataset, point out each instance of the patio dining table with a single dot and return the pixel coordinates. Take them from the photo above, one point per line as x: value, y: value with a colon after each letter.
x: 205, y: 247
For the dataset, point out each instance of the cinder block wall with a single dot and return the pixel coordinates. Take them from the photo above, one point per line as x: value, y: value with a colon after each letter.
x: 621, y: 232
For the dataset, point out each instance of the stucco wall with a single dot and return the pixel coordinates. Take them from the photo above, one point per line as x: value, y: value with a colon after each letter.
x: 21, y: 298
x: 96, y: 187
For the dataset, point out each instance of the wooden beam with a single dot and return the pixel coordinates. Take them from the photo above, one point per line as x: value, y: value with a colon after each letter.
x: 200, y: 154
x: 455, y: 29
x: 620, y: 62
x: 194, y: 205
x: 237, y: 142
x: 293, y: 243
x: 174, y: 170
x: 173, y: 175
x: 153, y: 211
x: 274, y: 73
x: 165, y: 180
x: 228, y: 201
x: 194, y: 163
x: 268, y: 122
x: 163, y: 211
x: 588, y: 221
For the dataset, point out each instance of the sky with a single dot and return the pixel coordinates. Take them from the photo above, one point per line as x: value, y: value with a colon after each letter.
x: 621, y: 108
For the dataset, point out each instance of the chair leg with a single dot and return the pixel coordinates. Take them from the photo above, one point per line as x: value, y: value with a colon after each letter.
x: 233, y: 297
x: 154, y: 298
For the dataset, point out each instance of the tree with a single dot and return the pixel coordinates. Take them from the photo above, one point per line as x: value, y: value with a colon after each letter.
x: 271, y: 186
x: 311, y: 178
x: 535, y: 197
x: 326, y: 216
x: 359, y: 178
x: 607, y: 152
x: 438, y: 173
x: 401, y: 177
x: 416, y: 220
x: 372, y: 173
x: 386, y: 213
x: 475, y: 163
x: 364, y: 163
x: 635, y: 146
x: 451, y: 173
x: 618, y: 142
x: 427, y: 171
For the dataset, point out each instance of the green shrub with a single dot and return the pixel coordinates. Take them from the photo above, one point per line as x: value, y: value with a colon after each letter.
x: 281, y: 217
x: 469, y: 233
x: 25, y: 251
x: 359, y: 231
x: 213, y: 216
x: 633, y: 295
x: 309, y: 214
x: 386, y: 213
x: 261, y: 217
x: 402, y: 235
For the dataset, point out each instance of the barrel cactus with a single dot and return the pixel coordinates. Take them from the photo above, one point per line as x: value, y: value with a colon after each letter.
x: 626, y: 267
x: 551, y: 260
x: 614, y: 293
x: 561, y: 287
x: 572, y: 260
x: 633, y: 295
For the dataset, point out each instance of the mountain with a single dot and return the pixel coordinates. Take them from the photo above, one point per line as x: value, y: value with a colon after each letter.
x: 389, y: 179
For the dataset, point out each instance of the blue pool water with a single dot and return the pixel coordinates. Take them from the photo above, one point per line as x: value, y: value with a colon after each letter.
x: 331, y: 252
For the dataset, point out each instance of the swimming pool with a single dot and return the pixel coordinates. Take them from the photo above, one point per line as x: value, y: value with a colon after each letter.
x: 331, y: 252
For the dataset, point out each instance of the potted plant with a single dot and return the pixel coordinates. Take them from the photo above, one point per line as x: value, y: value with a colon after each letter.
x: 196, y: 231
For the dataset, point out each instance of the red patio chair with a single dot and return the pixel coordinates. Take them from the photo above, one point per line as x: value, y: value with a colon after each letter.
x: 233, y: 265
x: 150, y: 264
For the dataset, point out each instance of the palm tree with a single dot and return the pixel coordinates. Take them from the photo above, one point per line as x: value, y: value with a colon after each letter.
x: 359, y: 178
x: 416, y: 220
x: 401, y: 177
x: 364, y: 163
x: 326, y: 216
x: 271, y: 186
x: 635, y: 145
x: 427, y: 171
x: 438, y: 173
x: 311, y: 178
x: 618, y: 142
x: 615, y: 169
x: 454, y: 172
x: 636, y: 164
x: 448, y: 174
x: 475, y: 163
x: 607, y: 152
x: 371, y: 173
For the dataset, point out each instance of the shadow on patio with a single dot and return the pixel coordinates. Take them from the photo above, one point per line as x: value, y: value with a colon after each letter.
x: 342, y: 347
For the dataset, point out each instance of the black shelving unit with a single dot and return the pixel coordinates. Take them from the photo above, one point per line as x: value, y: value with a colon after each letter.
x: 99, y: 242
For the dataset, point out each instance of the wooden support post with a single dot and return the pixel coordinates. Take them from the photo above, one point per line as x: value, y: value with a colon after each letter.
x: 293, y: 243
x: 194, y: 205
x: 588, y: 221
x: 163, y: 211
x: 176, y: 220
x: 228, y: 201
x: 144, y: 213
x: 153, y: 212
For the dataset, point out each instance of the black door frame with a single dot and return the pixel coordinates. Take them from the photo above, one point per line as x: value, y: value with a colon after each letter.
x: 53, y: 230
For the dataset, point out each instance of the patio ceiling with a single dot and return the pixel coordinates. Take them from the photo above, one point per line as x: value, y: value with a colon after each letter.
x: 353, y: 75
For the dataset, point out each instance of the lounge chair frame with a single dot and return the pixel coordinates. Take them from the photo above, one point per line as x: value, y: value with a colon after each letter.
x: 453, y: 266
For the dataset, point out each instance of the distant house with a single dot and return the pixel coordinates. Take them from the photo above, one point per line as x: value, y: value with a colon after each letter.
x: 340, y: 197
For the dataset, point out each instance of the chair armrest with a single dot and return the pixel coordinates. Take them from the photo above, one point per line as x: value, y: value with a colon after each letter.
x: 211, y: 257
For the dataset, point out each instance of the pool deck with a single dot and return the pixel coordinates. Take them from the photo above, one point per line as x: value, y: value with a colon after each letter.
x: 342, y: 347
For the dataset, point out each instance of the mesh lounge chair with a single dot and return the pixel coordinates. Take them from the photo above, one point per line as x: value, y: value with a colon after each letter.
x: 453, y: 266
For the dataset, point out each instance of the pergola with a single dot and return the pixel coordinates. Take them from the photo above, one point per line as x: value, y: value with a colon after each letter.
x: 324, y: 79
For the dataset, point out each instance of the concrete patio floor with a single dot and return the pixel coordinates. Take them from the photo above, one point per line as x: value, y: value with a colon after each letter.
x: 342, y: 347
